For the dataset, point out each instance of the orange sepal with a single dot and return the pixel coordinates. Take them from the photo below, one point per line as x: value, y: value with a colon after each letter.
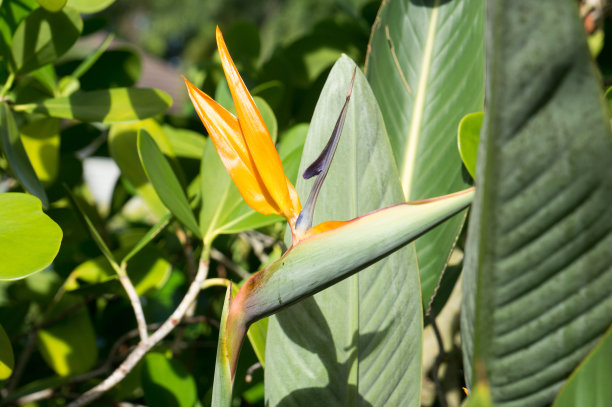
x: 320, y: 228
x: 258, y: 141
x: 225, y: 133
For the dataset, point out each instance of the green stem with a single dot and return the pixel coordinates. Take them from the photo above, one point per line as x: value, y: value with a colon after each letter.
x: 24, y: 107
x: 215, y: 282
x: 7, y: 85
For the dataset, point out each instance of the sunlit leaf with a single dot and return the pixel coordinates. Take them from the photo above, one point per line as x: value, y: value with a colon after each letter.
x: 41, y: 140
x: 185, y: 143
x: 52, y: 5
x: 90, y: 6
x: 167, y: 382
x: 467, y: 139
x: 69, y: 344
x: 29, y: 239
x: 107, y: 106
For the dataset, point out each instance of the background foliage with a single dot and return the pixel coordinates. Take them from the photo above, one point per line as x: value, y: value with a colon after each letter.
x: 105, y: 170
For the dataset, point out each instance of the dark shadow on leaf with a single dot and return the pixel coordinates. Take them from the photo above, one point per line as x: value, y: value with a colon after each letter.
x: 146, y: 102
x: 63, y: 34
x: 316, y: 396
x: 430, y: 3
x: 313, y: 340
x: 92, y: 110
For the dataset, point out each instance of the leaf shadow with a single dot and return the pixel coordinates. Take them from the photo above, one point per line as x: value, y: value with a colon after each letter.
x: 338, y: 372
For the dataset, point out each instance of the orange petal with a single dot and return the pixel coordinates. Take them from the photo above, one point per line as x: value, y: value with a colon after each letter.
x: 226, y: 135
x: 257, y: 138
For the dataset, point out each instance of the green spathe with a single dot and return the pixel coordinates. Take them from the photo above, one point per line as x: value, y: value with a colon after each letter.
x: 320, y: 261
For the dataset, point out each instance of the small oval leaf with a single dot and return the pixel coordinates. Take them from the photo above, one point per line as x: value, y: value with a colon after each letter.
x: 29, y: 239
x: 44, y: 36
x: 467, y: 138
x: 164, y: 181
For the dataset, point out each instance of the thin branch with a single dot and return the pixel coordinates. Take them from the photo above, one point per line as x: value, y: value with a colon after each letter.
x: 125, y: 281
x: 223, y: 259
x: 21, y: 364
x: 36, y: 396
x: 249, y: 373
x: 144, y: 346
x: 187, y: 251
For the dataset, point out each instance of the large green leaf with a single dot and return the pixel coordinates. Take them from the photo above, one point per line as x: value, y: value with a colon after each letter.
x: 426, y: 69
x: 29, y: 239
x: 108, y: 106
x: 537, y: 290
x: 16, y: 155
x: 69, y: 344
x: 589, y: 385
x: 44, y: 36
x: 358, y: 342
x: 164, y: 181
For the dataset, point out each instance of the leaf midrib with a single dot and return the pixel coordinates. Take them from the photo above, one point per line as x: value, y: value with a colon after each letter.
x: 419, y: 105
